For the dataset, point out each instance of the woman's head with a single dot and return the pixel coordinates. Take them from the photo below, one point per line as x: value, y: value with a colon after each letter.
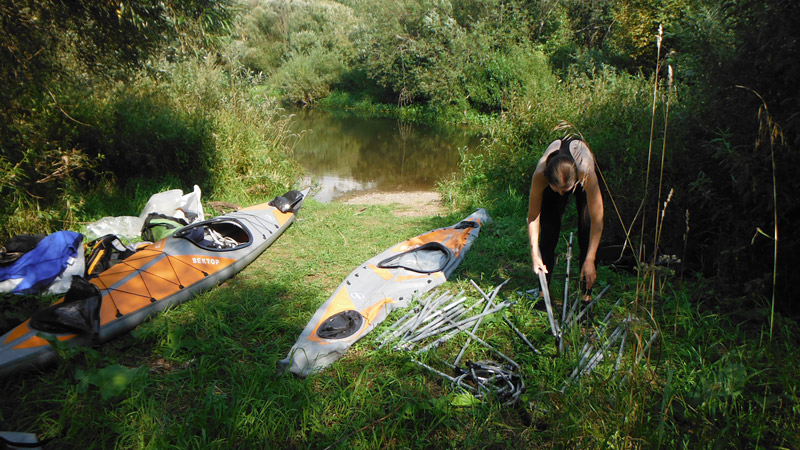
x: 561, y: 173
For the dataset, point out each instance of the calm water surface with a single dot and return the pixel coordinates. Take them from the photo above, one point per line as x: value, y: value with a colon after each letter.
x: 346, y: 154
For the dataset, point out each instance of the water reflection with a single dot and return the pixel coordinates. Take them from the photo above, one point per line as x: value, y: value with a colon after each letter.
x: 346, y: 153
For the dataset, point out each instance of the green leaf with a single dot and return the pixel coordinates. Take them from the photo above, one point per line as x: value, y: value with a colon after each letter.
x: 464, y: 399
x: 112, y: 380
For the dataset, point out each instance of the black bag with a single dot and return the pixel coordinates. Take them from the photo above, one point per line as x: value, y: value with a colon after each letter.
x: 103, y: 253
x: 287, y: 201
x: 18, y: 246
x: 78, y: 313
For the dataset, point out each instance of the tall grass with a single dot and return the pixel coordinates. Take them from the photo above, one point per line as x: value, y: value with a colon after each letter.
x: 770, y: 132
x: 245, y: 136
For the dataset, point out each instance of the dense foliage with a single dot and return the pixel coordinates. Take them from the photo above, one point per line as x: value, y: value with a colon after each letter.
x: 746, y: 149
x: 124, y: 99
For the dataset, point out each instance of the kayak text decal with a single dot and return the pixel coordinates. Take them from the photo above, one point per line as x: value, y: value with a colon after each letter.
x: 210, y: 261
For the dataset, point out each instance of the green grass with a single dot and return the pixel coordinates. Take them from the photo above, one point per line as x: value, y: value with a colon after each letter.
x: 203, y: 374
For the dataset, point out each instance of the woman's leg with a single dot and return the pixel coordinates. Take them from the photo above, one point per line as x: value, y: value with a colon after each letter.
x: 553, y: 206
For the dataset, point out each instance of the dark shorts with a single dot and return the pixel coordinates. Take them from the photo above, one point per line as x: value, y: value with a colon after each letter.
x: 553, y: 207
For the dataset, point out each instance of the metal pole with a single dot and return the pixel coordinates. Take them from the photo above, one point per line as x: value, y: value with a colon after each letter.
x: 438, y: 321
x: 429, y: 305
x: 521, y: 335
x: 383, y: 338
x: 439, y: 341
x: 442, y: 374
x: 592, y: 303
x: 566, y: 283
x: 598, y: 356
x: 548, y: 305
x: 410, y: 318
x: 644, y: 350
x: 461, y: 323
x: 566, y: 299
x: 484, y: 343
x: 478, y: 323
x: 619, y: 355
x: 461, y: 314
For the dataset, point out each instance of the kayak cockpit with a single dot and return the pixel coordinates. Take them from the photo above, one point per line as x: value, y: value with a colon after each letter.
x: 217, y: 234
x: 427, y: 258
x: 341, y: 325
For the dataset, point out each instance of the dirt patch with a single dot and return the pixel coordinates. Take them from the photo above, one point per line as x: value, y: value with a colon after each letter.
x: 408, y: 204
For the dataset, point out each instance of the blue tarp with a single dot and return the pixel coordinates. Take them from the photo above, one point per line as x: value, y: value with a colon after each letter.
x: 39, y: 267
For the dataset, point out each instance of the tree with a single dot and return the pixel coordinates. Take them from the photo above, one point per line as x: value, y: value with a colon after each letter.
x: 53, y: 50
x: 42, y: 42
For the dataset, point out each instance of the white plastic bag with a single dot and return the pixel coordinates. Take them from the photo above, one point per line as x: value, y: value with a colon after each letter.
x: 75, y: 266
x: 191, y: 207
x: 163, y: 203
x: 128, y: 226
x: 171, y: 203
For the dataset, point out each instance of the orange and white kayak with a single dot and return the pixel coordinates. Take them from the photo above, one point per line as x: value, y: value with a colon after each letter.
x: 380, y: 285
x: 168, y: 272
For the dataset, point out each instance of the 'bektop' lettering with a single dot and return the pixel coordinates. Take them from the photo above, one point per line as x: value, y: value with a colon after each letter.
x: 205, y: 261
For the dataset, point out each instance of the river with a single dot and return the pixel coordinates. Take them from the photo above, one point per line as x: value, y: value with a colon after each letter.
x: 347, y: 154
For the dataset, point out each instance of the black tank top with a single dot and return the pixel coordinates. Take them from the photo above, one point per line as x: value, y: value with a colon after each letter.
x: 564, y: 150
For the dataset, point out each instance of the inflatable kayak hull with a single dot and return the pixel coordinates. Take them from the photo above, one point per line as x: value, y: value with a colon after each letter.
x: 161, y: 275
x: 378, y: 286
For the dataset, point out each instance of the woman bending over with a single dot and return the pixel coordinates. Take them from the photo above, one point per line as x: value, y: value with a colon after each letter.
x: 567, y: 167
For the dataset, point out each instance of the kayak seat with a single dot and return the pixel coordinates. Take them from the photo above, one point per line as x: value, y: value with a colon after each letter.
x: 224, y: 234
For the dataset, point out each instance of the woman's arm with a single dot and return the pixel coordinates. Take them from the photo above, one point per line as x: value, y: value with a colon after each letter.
x: 538, y: 184
x: 594, y: 200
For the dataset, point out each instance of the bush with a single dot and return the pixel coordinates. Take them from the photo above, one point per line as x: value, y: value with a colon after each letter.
x: 502, y: 75
x: 303, y: 45
x: 145, y: 135
x: 304, y: 79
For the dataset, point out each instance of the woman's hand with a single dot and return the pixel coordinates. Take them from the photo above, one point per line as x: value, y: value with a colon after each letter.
x: 538, y: 265
x: 589, y: 273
